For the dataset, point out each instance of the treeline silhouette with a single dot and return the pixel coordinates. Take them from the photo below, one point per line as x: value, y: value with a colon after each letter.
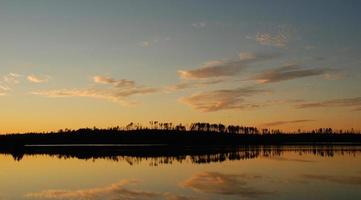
x: 221, y: 128
x: 197, y: 134
x: 156, y: 155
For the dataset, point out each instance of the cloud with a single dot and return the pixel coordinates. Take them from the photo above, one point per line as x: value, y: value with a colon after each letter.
x: 247, y: 56
x: 288, y: 72
x: 226, y: 184
x: 354, y: 103
x: 278, y: 40
x: 3, y: 89
x: 222, y: 99
x: 12, y: 78
x: 115, y: 83
x: 216, y: 69
x: 349, y: 180
x: 8, y: 81
x: 279, y: 37
x: 37, y: 79
x: 278, y: 123
x: 117, y: 90
x: 193, y: 84
x: 199, y: 25
x: 150, y: 43
x: 334, y: 76
x: 213, y: 69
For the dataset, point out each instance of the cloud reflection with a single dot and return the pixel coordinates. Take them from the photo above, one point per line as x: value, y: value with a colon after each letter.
x: 116, y: 191
x: 349, y: 180
x: 226, y: 184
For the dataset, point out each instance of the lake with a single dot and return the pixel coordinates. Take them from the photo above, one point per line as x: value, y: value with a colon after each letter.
x: 257, y: 172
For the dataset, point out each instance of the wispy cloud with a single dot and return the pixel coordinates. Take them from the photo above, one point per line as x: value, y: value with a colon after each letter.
x: 247, y: 56
x: 115, y: 83
x: 334, y: 75
x: 279, y: 123
x: 222, y: 99
x: 354, y: 103
x: 288, y: 72
x: 199, y: 24
x: 278, y: 40
x: 117, y: 90
x: 12, y: 78
x: 193, y: 84
x: 216, y: 69
x: 150, y: 43
x: 119, y: 190
x: 280, y: 36
x: 226, y: 184
x: 37, y: 79
x: 213, y: 69
x: 3, y: 89
x: 8, y: 81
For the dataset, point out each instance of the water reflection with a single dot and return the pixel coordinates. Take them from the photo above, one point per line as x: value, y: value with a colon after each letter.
x: 123, y: 189
x: 243, y: 172
x: 349, y: 180
x: 227, y: 184
x: 167, y: 155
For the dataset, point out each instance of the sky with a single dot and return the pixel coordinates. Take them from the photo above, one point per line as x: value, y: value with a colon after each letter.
x: 278, y: 64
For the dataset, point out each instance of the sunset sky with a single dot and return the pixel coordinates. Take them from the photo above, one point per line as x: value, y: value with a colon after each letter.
x: 281, y: 64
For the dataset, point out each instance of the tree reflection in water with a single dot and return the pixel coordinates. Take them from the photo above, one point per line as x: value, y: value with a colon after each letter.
x: 157, y: 155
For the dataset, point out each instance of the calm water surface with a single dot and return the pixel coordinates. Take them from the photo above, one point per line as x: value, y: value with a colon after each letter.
x: 256, y: 173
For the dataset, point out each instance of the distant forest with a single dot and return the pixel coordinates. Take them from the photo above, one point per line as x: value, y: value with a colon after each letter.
x: 203, y: 127
x: 159, y: 133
